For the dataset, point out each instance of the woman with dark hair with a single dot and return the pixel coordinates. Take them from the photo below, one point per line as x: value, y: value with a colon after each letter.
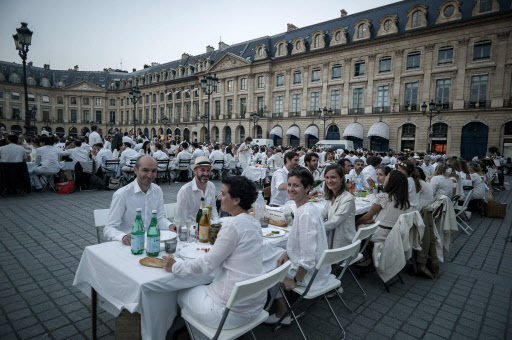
x: 339, y: 210
x: 146, y: 149
x: 408, y: 168
x: 232, y: 259
x: 382, y: 173
x: 388, y: 205
x: 443, y: 182
x: 306, y: 242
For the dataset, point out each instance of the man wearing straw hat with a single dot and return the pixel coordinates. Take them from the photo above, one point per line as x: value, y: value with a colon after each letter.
x: 189, y: 196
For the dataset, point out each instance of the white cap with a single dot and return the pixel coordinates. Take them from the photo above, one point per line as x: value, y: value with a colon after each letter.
x: 139, y: 209
x: 153, y: 211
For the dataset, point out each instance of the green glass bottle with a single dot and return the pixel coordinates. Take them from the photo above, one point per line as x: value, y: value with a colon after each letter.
x: 200, y: 211
x: 153, y: 247
x: 138, y: 232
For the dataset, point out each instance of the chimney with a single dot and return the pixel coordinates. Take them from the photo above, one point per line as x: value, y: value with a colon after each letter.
x: 75, y: 68
x: 185, y: 55
x: 209, y: 49
x: 146, y: 66
x: 153, y: 64
x: 290, y: 27
x: 46, y: 66
x: 29, y: 64
x: 222, y: 45
x: 134, y: 69
x: 343, y: 13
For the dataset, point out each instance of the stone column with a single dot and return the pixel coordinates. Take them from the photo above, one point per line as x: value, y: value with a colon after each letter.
x: 460, y: 78
x: 426, y: 92
x: 370, y: 98
x: 324, y: 102
x: 305, y: 82
x: 397, y: 83
x: 498, y: 78
x: 287, y: 85
x: 268, y: 93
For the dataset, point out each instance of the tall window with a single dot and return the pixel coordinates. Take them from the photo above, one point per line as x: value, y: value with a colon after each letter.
x: 336, y: 72
x: 281, y: 49
x: 357, y: 98
x: 243, y: 84
x: 87, y: 118
x: 384, y: 64
x: 170, y: 112
x: 230, y: 107
x: 112, y: 102
x: 72, y: 100
x: 121, y: 117
x: 334, y: 102
x: 314, y: 101
x: 122, y: 101
x: 296, y: 102
x: 280, y: 80
x: 411, y: 95
x: 243, y: 105
x: 196, y: 109
x: 359, y: 68
x: 297, y: 77
x: 73, y: 116
x: 147, y: 116
x: 60, y: 115
x: 413, y: 60
x: 46, y: 99
x: 147, y: 99
x: 60, y: 100
x: 361, y: 31
x: 112, y: 116
x: 443, y: 90
x: 260, y: 105
x: 416, y: 19
x: 154, y: 115
x: 478, y: 92
x: 315, y: 74
x: 445, y: 56
x: 161, y: 98
x: 482, y: 50
x: 279, y: 104
x: 161, y: 113
x: 317, y: 41
x: 383, y: 96
x: 85, y: 101
x: 98, y: 101
x: 230, y: 86
x: 485, y: 5
x: 16, y: 96
x: 261, y: 82
x: 217, y: 108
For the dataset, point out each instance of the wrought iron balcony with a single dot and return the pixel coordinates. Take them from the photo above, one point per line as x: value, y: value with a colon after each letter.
x: 277, y: 115
x: 480, y: 104
x: 313, y: 114
x: 409, y: 108
x: 380, y: 109
x: 356, y: 111
x: 336, y: 112
x: 507, y: 102
x: 294, y: 114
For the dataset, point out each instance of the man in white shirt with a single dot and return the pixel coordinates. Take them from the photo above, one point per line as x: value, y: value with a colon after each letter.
x: 138, y: 146
x: 428, y: 169
x: 370, y: 171
x: 127, y: 139
x: 198, y: 152
x: 141, y: 193
x: 392, y: 160
x: 311, y: 162
x: 356, y: 171
x: 346, y: 165
x: 108, y: 143
x: 102, y: 154
x: 94, y: 137
x: 85, y: 144
x: 159, y: 154
x: 12, y: 153
x: 76, y: 152
x: 189, y: 196
x: 173, y: 148
x: 216, y: 155
x: 47, y: 161
x: 127, y: 155
x: 352, y: 157
x: 279, y: 183
x: 386, y: 159
x: 244, y: 153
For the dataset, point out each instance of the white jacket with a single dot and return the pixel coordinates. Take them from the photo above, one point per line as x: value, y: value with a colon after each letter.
x: 444, y: 225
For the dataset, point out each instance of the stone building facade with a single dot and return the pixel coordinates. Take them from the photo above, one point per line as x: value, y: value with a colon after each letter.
x: 363, y: 77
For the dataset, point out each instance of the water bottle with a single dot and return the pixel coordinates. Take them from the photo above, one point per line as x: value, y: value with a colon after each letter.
x: 259, y: 208
x: 192, y: 237
x: 359, y: 186
x: 137, y: 237
x: 153, y: 247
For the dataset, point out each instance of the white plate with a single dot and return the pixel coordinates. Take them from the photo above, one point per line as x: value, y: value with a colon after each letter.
x: 192, y: 252
x: 166, y: 235
x: 266, y: 232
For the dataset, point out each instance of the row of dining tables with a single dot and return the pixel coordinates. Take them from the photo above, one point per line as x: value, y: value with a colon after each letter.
x: 110, y: 270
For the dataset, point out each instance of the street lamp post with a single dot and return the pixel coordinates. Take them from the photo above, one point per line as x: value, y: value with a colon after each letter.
x: 209, y: 85
x: 327, y: 114
x: 22, y: 40
x: 135, y: 96
x: 254, y: 118
x: 434, y: 110
x: 111, y: 123
x: 165, y: 122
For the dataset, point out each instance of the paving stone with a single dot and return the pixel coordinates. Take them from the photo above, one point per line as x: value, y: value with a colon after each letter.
x: 66, y: 332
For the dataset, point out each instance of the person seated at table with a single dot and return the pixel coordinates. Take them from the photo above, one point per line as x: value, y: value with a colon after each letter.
x: 408, y: 168
x: 386, y: 208
x: 47, y: 161
x: 12, y: 153
x: 426, y: 192
x: 127, y: 155
x: 279, y: 183
x: 141, y: 193
x: 216, y: 155
x: 160, y: 154
x: 101, y: 155
x: 370, y: 171
x: 311, y: 162
x: 357, y: 169
x: 146, y: 149
x: 75, y: 151
x: 427, y: 167
x: 307, y: 241
x: 236, y: 256
x: 382, y: 173
x: 189, y: 196
x: 339, y: 210
x: 443, y: 183
x: 346, y: 165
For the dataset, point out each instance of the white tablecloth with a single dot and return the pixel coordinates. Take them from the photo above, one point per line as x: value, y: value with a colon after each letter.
x: 255, y: 173
x: 63, y: 166
x: 362, y: 205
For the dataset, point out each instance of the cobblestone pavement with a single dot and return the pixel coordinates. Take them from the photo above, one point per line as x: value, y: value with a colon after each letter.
x: 42, y: 236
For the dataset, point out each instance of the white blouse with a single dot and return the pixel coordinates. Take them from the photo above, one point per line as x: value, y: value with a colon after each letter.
x: 414, y: 197
x: 478, y: 187
x: 340, y: 220
x: 306, y: 244
x: 442, y: 186
x: 426, y: 195
x: 236, y: 256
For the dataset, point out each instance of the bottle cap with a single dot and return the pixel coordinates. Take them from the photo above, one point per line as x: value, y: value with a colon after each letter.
x: 139, y: 209
x: 153, y: 211
x: 259, y: 191
x: 205, y: 210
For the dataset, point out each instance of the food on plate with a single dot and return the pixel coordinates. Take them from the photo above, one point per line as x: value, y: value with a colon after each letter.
x: 273, y: 232
x: 278, y: 223
x: 152, y: 262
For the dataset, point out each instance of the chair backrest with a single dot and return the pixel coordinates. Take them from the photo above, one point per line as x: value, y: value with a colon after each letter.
x: 219, y: 161
x: 132, y: 162
x: 466, y: 201
x: 249, y: 288
x: 184, y: 164
x: 162, y: 162
x: 332, y: 256
x: 100, y: 220
x: 364, y: 233
x: 170, y: 210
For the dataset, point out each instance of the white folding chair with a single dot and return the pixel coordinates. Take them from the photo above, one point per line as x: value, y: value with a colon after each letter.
x: 241, y: 291
x: 361, y: 235
x: 217, y: 168
x: 170, y: 210
x: 100, y: 220
x: 329, y: 257
x: 461, y: 209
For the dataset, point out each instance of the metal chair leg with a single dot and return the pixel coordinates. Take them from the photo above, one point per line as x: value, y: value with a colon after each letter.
x: 400, y: 278
x: 343, y: 301
x: 290, y: 311
x: 189, y: 329
x: 253, y: 336
x: 335, y: 316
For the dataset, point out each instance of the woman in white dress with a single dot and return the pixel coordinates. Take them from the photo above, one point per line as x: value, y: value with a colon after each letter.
x: 443, y: 183
x: 306, y: 242
x: 478, y: 179
x: 232, y: 259
x: 408, y: 168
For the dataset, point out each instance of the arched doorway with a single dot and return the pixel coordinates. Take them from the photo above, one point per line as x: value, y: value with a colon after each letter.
x: 73, y: 131
x: 474, y: 140
x: 354, y: 132
x: 16, y: 130
x: 379, y: 137
x: 153, y: 132
x: 47, y: 128
x: 169, y: 132
x: 177, y: 135
x: 293, y: 134
x: 215, y: 135
x: 242, y: 134
x: 507, y: 140
x: 311, y: 135
x: 276, y: 134
x: 408, y: 137
x: 439, y: 137
x: 60, y: 131
x: 161, y: 132
x: 333, y: 133
x: 258, y: 132
x: 146, y: 132
x: 203, y: 134
x: 186, y: 135
x: 227, y: 135
x: 31, y: 131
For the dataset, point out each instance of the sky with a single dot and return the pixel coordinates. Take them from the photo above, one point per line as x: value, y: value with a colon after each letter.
x: 96, y: 34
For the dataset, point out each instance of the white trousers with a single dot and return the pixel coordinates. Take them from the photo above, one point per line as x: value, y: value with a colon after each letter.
x: 41, y: 171
x: 202, y: 307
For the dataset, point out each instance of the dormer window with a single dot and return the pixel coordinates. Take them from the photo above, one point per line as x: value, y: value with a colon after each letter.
x: 361, y: 31
x: 298, y: 45
x: 260, y: 51
x: 485, y: 6
x: 337, y: 36
x: 387, y: 25
x: 281, y: 49
x: 316, y: 42
x: 416, y: 19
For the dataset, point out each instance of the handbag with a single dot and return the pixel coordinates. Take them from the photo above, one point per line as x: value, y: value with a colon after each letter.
x: 495, y: 209
x: 64, y: 188
x: 489, y: 197
x: 115, y: 183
